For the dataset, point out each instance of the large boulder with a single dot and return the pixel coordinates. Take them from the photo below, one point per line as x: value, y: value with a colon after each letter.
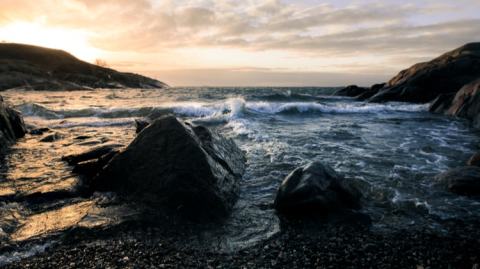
x: 183, y: 169
x: 466, y: 103
x: 11, y: 125
x: 463, y: 180
x: 315, y: 190
x: 423, y: 82
x: 351, y: 91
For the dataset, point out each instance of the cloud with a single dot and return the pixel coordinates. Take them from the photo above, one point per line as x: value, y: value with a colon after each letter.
x: 392, y: 31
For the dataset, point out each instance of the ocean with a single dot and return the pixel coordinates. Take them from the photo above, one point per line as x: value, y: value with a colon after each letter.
x: 391, y: 151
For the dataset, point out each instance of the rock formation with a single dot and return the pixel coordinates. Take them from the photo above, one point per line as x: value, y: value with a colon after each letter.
x: 423, y: 82
x: 315, y: 190
x: 184, y: 169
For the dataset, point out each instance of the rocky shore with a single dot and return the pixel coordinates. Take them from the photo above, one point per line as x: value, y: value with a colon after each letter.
x: 183, y: 176
x: 318, y: 246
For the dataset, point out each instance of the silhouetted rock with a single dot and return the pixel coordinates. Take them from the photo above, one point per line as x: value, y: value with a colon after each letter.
x: 423, y: 82
x: 351, y: 91
x: 37, y: 68
x: 466, y: 103
x: 370, y: 92
x: 315, y: 190
x: 462, y: 180
x: 11, y: 125
x: 186, y: 170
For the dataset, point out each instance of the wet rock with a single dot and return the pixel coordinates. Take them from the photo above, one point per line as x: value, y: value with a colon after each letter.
x: 423, y: 82
x: 91, y: 154
x: 461, y: 180
x: 374, y: 89
x: 474, y: 160
x: 12, y: 126
x: 52, y: 137
x: 441, y: 103
x: 140, y: 124
x: 39, y: 131
x: 184, y: 169
x: 351, y: 91
x: 315, y: 190
x: 92, y: 167
x: 466, y: 103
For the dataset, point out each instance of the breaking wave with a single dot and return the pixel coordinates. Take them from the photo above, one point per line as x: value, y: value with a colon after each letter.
x: 231, y: 108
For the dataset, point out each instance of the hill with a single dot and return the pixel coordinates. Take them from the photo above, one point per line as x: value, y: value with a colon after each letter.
x: 39, y: 68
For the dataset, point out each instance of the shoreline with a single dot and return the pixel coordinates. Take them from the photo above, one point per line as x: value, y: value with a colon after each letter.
x: 301, y: 246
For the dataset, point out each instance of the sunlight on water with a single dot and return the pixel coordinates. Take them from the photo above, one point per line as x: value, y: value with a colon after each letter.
x: 52, y: 221
x: 391, y: 151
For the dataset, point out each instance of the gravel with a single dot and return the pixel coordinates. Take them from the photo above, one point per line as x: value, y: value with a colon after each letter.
x: 457, y: 246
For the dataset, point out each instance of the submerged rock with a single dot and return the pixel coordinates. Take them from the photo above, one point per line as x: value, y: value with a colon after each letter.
x: 423, y: 82
x: 39, y: 131
x: 461, y: 180
x: 12, y: 126
x: 315, y: 190
x: 351, y: 91
x: 52, y: 137
x: 184, y: 169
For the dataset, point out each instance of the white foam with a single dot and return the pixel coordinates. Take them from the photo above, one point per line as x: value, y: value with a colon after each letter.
x: 14, y: 256
x: 304, y: 107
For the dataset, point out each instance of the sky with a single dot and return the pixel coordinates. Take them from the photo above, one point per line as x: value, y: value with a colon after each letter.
x: 247, y: 43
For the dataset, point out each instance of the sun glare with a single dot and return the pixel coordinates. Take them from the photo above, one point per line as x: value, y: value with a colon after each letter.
x: 72, y: 41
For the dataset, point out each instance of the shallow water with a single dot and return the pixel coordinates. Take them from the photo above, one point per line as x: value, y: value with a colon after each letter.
x: 391, y: 151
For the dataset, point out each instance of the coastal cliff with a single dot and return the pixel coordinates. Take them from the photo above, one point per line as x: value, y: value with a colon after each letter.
x: 37, y: 68
x: 423, y: 82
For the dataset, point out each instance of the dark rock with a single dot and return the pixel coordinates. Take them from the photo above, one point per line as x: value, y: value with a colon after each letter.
x: 423, y: 82
x: 12, y: 126
x: 82, y: 137
x: 466, y: 103
x: 37, y: 68
x: 140, y: 124
x: 186, y: 170
x: 91, y: 154
x: 474, y: 160
x: 441, y: 103
x: 315, y: 190
x: 461, y: 180
x: 370, y: 92
x: 51, y: 137
x: 351, y: 91
x: 39, y: 131
x: 92, y: 167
